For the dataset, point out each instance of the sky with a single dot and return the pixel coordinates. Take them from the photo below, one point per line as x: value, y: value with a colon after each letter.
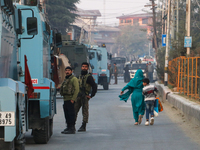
x: 114, y: 8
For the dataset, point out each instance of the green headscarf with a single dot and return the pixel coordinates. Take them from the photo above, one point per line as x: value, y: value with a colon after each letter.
x: 136, y: 82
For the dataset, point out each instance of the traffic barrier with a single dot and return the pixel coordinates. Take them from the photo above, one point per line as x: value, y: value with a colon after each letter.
x: 185, y: 75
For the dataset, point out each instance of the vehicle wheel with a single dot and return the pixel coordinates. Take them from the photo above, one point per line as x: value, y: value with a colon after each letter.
x: 6, y: 145
x: 42, y: 136
x: 51, y: 127
x: 105, y: 86
x: 20, y: 146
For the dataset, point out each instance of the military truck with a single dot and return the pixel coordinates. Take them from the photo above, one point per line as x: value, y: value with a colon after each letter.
x: 76, y: 53
x: 99, y: 58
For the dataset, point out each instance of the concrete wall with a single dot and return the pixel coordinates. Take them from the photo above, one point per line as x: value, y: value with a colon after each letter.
x: 190, y: 109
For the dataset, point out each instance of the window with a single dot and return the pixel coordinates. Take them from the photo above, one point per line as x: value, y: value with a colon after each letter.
x: 135, y: 21
x: 121, y: 21
x: 79, y: 50
x: 145, y: 21
x: 30, y: 2
x: 32, y: 26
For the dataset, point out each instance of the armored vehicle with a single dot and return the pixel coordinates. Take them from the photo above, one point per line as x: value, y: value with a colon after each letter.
x: 99, y: 58
x: 76, y: 53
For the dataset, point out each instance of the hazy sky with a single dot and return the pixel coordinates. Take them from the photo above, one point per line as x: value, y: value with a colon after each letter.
x: 114, y: 8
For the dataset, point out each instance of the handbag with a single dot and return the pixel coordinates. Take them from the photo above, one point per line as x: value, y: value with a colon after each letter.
x: 160, y: 106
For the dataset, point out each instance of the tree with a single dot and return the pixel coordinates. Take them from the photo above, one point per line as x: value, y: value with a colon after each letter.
x: 132, y: 41
x: 61, y: 13
x: 177, y: 47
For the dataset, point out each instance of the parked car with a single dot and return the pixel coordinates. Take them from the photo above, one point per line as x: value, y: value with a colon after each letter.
x: 135, y: 66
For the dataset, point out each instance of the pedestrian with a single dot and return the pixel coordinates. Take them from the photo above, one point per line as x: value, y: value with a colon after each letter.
x: 126, y: 74
x: 86, y: 83
x: 146, y: 71
x: 150, y: 72
x: 149, y: 91
x: 135, y: 87
x: 115, y: 72
x: 69, y: 90
x: 110, y: 72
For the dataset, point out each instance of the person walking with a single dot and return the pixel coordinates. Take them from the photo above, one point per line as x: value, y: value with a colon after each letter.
x: 115, y: 73
x: 126, y: 74
x: 150, y: 72
x: 135, y: 87
x: 146, y: 71
x: 110, y: 72
x: 69, y: 90
x: 149, y: 91
x: 86, y: 83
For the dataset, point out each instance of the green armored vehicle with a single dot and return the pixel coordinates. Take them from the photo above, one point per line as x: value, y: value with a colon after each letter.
x: 76, y: 53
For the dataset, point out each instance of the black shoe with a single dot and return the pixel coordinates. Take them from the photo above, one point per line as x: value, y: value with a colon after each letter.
x: 66, y: 129
x: 82, y: 128
x: 70, y: 131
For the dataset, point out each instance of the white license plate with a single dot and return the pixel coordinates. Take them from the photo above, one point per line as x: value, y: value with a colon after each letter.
x: 7, y: 118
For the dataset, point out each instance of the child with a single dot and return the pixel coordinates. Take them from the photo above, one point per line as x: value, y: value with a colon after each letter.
x: 149, y: 91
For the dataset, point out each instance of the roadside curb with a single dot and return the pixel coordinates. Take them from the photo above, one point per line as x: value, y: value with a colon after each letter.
x: 190, y: 109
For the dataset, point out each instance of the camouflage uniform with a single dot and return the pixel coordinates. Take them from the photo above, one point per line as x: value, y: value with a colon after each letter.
x: 69, y: 90
x: 82, y: 100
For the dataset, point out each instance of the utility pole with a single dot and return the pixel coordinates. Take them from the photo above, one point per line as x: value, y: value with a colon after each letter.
x: 166, y: 9
x: 154, y: 29
x: 104, y: 9
x: 162, y: 18
x: 172, y: 20
x: 167, y: 44
x: 177, y: 21
x: 188, y: 11
x: 149, y: 50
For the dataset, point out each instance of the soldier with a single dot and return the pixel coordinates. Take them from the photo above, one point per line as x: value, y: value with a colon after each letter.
x: 69, y: 90
x: 86, y: 82
x: 115, y: 73
x: 110, y: 72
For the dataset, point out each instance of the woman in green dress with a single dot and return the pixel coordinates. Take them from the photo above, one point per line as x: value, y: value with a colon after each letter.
x: 135, y: 87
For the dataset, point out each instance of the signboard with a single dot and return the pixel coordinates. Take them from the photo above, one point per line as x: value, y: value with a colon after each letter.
x: 34, y: 81
x: 164, y: 40
x: 188, y: 41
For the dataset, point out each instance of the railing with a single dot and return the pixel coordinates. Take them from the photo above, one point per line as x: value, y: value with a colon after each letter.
x: 184, y: 73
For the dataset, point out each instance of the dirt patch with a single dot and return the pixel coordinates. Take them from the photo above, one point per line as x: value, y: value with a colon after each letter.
x: 190, y: 129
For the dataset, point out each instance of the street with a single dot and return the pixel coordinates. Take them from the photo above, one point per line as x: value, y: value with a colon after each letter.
x: 111, y: 127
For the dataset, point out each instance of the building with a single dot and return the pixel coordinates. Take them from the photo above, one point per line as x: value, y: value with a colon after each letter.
x: 85, y: 30
x: 143, y: 20
x: 106, y: 35
x: 81, y: 29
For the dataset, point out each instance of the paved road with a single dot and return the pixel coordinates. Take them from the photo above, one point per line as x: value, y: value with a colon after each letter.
x: 111, y: 127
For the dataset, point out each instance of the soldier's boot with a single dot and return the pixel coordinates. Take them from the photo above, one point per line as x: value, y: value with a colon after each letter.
x: 66, y: 129
x: 71, y: 130
x: 82, y: 128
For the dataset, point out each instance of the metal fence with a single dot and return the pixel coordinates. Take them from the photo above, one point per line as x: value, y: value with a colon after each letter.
x: 184, y: 73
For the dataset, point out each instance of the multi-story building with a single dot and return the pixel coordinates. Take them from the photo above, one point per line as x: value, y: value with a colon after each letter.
x: 143, y: 20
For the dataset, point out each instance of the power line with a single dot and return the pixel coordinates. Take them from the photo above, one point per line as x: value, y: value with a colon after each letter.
x: 120, y: 13
x: 124, y: 8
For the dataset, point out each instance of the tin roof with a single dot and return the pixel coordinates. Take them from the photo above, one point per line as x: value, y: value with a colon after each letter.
x: 144, y: 15
x: 88, y: 13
